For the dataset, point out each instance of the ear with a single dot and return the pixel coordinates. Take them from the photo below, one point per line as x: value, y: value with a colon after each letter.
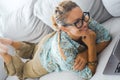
x: 65, y: 29
x: 54, y: 22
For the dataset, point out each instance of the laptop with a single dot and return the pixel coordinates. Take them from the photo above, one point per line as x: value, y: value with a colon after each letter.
x: 113, y: 65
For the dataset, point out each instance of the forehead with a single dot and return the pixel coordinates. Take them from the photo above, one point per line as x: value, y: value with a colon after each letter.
x: 74, y: 14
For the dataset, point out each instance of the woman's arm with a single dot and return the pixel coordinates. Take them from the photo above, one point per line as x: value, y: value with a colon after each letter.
x: 101, y: 46
x: 84, y: 55
x: 16, y: 44
x: 90, y: 41
x: 23, y: 47
x: 92, y: 57
x: 93, y: 51
x: 6, y: 41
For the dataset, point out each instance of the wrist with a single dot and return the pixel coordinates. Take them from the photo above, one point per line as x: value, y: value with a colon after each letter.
x: 93, y: 69
x: 92, y: 63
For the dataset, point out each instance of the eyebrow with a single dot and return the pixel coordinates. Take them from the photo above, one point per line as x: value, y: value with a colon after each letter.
x: 78, y: 18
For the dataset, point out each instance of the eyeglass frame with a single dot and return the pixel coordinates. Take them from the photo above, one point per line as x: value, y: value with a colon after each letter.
x: 82, y: 20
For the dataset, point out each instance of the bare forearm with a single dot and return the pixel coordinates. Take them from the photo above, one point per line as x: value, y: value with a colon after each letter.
x: 94, y: 49
x: 92, y: 58
x: 101, y: 46
x: 92, y: 54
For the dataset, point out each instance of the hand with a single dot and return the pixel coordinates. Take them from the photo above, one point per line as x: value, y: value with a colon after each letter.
x: 6, y: 41
x: 88, y: 37
x: 3, y: 46
x: 80, y: 61
x: 3, y: 49
x: 4, y: 53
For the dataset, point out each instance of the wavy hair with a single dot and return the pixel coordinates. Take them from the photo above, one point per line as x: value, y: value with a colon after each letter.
x: 60, y: 13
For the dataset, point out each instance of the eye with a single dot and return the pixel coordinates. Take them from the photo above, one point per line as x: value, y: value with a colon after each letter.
x: 78, y: 23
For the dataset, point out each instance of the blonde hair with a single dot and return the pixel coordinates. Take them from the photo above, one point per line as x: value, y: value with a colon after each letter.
x: 60, y: 13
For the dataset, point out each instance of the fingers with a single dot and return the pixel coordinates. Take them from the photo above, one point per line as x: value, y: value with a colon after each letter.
x: 3, y: 47
x: 79, y: 65
x: 84, y: 34
x: 83, y: 37
x: 6, y: 41
x: 91, y: 32
x: 77, y: 60
x: 82, y: 66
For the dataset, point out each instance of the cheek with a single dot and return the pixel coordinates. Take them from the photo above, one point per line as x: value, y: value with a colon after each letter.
x: 75, y: 31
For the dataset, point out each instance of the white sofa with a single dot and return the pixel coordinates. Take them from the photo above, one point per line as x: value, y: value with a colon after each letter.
x: 113, y: 26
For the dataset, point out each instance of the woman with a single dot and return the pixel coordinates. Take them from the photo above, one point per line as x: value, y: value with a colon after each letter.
x: 77, y: 33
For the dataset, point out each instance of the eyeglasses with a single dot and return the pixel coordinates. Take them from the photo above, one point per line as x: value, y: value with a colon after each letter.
x: 79, y: 22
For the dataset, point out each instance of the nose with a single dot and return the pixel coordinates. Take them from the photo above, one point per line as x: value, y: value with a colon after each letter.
x: 84, y: 26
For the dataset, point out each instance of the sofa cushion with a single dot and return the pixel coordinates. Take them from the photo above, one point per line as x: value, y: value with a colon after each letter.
x: 23, y: 25
x: 113, y: 25
x: 112, y: 6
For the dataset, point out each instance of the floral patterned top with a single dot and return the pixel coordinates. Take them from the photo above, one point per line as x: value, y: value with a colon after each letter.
x: 50, y: 56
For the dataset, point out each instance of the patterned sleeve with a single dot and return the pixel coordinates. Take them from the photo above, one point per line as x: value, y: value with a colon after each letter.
x: 101, y: 33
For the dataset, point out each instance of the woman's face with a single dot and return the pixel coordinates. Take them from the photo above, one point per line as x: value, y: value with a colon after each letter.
x: 74, y: 17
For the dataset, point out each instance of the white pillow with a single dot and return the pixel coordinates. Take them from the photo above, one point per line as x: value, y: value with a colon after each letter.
x: 112, y: 6
x: 113, y: 26
x: 23, y: 25
x: 43, y: 9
